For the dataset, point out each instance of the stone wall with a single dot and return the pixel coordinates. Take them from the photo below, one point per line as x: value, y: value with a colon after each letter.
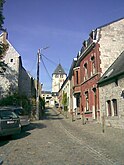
x: 9, y: 78
x: 24, y: 83
x: 110, y: 92
x: 111, y: 43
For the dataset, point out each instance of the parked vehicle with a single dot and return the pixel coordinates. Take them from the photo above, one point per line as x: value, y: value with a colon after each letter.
x: 9, y: 122
x: 24, y: 119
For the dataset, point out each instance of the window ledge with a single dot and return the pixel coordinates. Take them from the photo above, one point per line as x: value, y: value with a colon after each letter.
x: 88, y: 112
x: 90, y: 78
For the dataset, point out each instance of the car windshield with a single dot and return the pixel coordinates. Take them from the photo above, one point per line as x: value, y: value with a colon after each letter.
x: 7, y: 114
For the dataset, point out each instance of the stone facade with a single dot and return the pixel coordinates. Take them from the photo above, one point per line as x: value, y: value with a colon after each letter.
x: 9, y: 78
x: 109, y: 93
x: 15, y: 78
x: 26, y: 83
x: 111, y: 41
x: 58, y: 77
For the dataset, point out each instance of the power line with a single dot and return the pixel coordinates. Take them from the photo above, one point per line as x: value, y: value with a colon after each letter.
x: 54, y: 62
x: 46, y: 69
x: 49, y: 59
x: 34, y: 64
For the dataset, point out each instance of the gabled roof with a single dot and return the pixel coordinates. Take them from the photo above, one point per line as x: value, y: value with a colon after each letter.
x: 115, y: 70
x: 109, y: 23
x: 59, y: 70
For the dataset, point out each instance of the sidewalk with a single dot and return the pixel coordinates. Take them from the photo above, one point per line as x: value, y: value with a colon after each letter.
x: 108, y: 144
x: 96, y: 129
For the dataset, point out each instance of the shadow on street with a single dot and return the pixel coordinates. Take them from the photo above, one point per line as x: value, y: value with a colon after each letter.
x: 24, y: 133
x: 51, y: 116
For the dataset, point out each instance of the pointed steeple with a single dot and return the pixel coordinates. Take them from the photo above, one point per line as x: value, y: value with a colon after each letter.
x: 59, y: 70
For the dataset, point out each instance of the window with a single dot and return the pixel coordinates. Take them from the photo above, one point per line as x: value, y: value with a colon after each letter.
x: 114, y: 101
x: 61, y: 76
x: 93, y: 65
x: 109, y: 108
x: 77, y: 77
x: 86, y: 71
x: 11, y: 60
x: 56, y: 76
x: 87, y: 100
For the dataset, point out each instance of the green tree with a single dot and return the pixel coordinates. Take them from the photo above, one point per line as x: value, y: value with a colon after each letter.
x: 17, y: 100
x: 64, y: 102
x: 3, y: 46
x: 1, y: 14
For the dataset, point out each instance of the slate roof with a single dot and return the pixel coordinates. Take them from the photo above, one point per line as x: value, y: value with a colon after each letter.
x: 115, y: 70
x: 59, y: 70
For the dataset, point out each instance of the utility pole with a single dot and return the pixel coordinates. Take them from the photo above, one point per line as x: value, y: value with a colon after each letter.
x: 37, y: 93
x: 39, y: 54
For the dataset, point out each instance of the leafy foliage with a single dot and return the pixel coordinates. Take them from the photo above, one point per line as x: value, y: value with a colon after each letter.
x: 17, y: 100
x: 3, y: 48
x: 1, y: 14
x: 64, y: 101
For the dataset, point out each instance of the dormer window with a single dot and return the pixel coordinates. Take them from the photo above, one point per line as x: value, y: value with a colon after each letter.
x: 85, y: 44
x: 93, y: 35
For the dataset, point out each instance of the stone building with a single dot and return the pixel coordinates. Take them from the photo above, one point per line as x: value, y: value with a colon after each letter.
x: 58, y: 77
x: 14, y: 78
x: 102, y: 48
x: 47, y: 96
x: 9, y: 78
x: 27, y: 84
x: 111, y: 90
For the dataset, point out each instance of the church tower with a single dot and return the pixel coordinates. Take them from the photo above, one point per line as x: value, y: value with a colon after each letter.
x: 58, y: 77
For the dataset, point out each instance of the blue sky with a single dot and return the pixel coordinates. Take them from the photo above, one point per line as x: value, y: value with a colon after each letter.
x: 60, y: 24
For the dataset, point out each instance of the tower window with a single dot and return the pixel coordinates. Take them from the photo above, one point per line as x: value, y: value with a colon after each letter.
x: 11, y: 60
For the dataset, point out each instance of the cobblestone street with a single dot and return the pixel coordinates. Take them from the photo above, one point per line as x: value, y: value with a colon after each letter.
x: 58, y: 141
